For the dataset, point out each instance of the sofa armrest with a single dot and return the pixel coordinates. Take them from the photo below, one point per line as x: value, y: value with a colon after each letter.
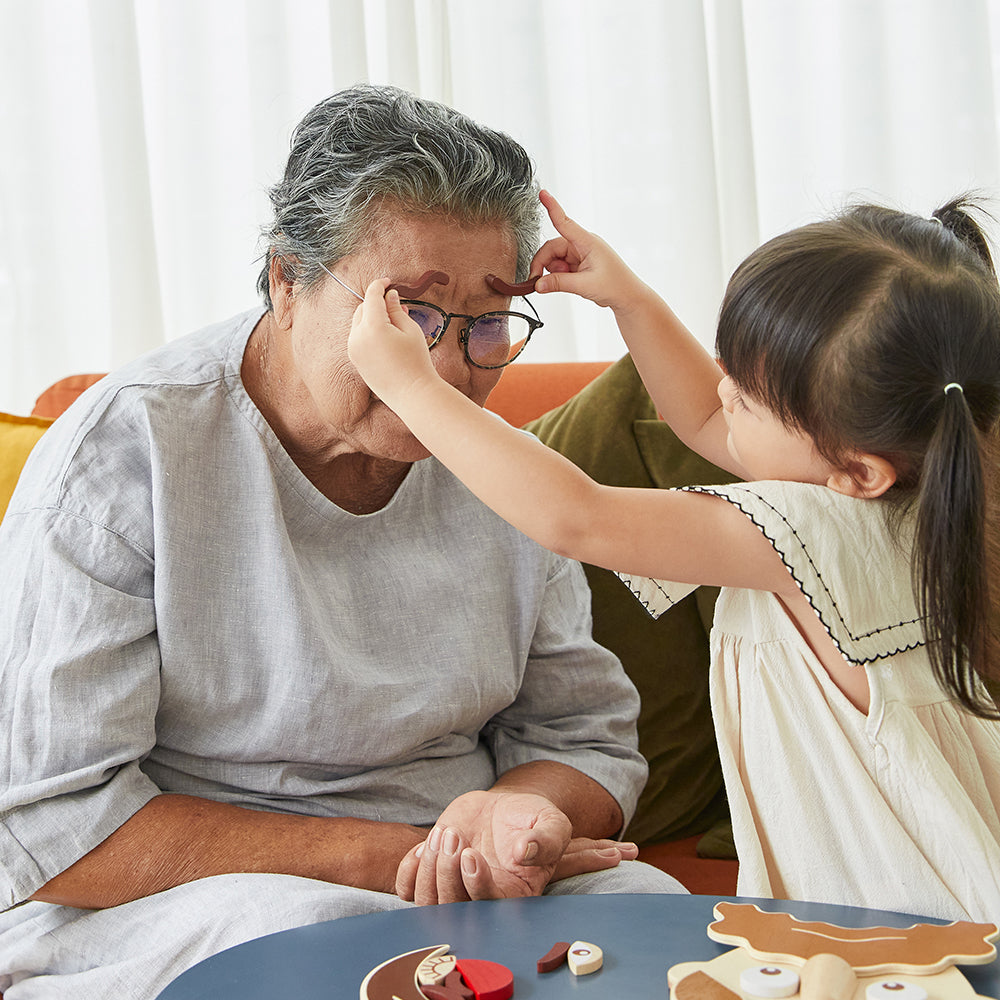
x: 60, y: 394
x: 526, y: 391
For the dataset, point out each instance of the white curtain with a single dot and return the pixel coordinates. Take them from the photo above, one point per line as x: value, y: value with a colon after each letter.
x: 138, y: 138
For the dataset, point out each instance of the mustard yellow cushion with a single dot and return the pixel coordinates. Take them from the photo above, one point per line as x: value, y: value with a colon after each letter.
x: 18, y: 435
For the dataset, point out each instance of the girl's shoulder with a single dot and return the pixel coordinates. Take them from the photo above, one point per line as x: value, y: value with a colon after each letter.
x: 851, y: 558
x: 848, y: 556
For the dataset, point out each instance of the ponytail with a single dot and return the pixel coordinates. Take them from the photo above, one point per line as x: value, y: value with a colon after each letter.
x: 955, y: 217
x: 950, y: 567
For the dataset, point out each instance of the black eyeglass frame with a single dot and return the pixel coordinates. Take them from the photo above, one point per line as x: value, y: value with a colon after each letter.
x: 534, y: 323
x: 463, y: 337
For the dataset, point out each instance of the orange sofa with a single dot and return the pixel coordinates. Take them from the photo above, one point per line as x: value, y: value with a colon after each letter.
x: 525, y: 392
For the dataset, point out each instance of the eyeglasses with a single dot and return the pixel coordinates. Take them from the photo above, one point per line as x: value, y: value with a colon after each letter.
x: 490, y: 340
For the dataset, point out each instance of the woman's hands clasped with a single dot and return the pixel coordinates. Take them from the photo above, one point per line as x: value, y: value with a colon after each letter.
x: 498, y: 845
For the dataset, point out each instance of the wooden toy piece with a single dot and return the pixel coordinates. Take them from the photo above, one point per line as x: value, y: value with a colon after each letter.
x: 701, y: 986
x: 828, y: 977
x: 438, y: 991
x: 455, y: 982
x: 433, y: 969
x: 396, y: 978
x: 424, y: 282
x: 584, y: 958
x: 506, y: 288
x: 891, y: 989
x: 726, y: 971
x: 489, y: 980
x: 919, y: 950
x: 769, y: 981
x: 554, y: 957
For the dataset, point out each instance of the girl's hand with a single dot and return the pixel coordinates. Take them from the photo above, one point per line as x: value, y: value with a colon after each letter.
x: 582, y: 263
x: 386, y: 346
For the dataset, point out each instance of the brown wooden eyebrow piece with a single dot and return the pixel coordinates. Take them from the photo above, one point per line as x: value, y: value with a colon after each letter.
x: 424, y: 282
x: 506, y: 288
x: 554, y: 957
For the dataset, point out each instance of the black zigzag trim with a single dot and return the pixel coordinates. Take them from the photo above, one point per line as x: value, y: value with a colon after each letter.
x: 791, y: 569
x: 635, y: 593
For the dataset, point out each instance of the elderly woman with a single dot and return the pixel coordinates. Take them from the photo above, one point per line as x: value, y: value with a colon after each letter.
x: 232, y: 575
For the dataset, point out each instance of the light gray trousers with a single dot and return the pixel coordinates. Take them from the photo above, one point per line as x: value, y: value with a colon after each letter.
x: 131, y: 952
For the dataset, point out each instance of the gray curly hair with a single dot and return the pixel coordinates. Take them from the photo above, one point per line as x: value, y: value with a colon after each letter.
x: 367, y: 146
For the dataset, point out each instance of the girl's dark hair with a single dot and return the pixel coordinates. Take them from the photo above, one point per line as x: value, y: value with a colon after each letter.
x: 849, y: 330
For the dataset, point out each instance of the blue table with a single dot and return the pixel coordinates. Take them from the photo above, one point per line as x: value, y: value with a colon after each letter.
x: 641, y: 935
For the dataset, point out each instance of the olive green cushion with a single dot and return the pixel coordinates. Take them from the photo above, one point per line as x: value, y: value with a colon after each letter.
x: 611, y: 430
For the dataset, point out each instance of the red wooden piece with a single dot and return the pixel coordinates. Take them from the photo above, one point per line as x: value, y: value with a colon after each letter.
x: 489, y: 980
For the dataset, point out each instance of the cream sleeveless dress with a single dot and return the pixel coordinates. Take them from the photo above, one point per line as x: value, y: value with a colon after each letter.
x: 897, y: 810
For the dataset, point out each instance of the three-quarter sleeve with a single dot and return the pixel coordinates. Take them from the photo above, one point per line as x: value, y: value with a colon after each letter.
x: 79, y: 686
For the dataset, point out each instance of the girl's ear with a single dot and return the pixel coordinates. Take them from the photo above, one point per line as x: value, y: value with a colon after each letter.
x: 281, y: 294
x: 865, y: 476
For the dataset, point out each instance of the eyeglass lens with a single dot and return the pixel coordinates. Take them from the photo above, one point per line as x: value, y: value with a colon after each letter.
x: 493, y: 340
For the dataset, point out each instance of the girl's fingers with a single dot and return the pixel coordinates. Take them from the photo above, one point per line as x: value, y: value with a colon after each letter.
x: 375, y: 292
x: 565, y: 226
x: 552, y: 255
x: 397, y: 312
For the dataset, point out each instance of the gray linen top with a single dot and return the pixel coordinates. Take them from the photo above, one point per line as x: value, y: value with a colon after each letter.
x: 183, y: 611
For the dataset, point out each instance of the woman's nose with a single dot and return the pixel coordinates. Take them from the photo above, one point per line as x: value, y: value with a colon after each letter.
x: 448, y: 354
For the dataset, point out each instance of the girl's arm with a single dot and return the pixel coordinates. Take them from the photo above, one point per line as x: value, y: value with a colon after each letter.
x: 686, y: 537
x: 680, y: 375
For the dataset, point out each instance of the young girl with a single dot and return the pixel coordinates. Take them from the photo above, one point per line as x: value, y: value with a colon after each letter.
x: 860, y: 750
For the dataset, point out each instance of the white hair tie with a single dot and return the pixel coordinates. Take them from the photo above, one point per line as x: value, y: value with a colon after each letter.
x: 953, y: 385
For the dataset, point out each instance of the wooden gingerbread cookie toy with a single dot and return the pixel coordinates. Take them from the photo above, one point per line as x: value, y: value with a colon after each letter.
x: 777, y: 956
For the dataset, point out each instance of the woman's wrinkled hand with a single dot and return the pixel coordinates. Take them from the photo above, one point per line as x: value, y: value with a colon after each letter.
x: 498, y: 845
x: 584, y: 855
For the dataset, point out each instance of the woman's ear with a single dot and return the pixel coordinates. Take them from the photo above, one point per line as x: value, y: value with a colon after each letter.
x: 865, y: 476
x: 281, y: 293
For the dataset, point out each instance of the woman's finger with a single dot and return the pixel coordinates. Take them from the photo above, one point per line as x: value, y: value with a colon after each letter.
x: 477, y: 877
x: 450, y: 885
x: 406, y: 874
x: 425, y: 880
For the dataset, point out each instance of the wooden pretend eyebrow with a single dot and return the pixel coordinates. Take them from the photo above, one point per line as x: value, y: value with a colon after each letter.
x: 506, y: 288
x: 429, y: 278
x: 424, y: 282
